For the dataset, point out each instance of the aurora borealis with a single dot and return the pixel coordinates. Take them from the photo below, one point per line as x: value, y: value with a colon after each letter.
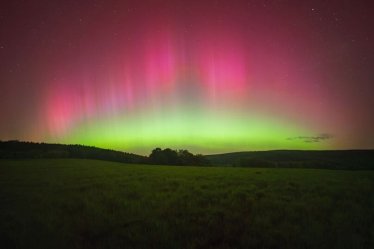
x: 208, y: 76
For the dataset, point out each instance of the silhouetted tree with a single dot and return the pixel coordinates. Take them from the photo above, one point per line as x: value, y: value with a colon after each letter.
x: 185, y: 157
x: 157, y: 156
x: 172, y: 157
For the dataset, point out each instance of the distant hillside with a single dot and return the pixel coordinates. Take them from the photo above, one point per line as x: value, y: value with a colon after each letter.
x: 340, y: 159
x: 18, y: 150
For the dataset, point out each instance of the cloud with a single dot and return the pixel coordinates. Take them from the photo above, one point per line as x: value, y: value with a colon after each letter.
x: 313, y: 139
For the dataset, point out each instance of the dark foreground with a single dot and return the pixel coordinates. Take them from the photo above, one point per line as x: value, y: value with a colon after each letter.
x: 95, y: 204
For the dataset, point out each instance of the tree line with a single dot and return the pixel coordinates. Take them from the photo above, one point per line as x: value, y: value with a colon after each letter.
x: 22, y: 150
x: 176, y: 157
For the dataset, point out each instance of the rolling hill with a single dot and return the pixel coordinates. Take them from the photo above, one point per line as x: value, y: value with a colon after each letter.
x: 338, y: 159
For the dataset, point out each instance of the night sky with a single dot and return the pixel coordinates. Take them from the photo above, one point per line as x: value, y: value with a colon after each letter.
x: 208, y: 76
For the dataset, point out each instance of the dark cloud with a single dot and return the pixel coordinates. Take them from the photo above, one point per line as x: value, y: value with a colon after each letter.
x: 313, y: 139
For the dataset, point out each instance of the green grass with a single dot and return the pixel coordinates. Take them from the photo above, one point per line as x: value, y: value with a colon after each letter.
x: 71, y: 203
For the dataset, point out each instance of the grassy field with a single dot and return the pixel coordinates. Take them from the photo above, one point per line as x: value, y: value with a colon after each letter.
x: 95, y: 204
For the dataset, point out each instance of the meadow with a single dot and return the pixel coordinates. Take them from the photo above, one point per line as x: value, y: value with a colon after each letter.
x: 77, y: 203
